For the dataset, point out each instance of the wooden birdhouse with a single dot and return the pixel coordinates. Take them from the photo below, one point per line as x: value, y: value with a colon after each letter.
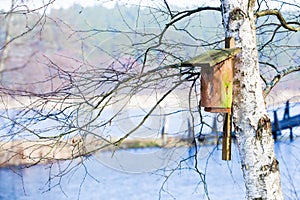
x: 216, y: 86
x: 216, y: 78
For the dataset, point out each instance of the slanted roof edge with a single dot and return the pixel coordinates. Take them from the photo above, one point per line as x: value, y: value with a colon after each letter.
x: 212, y: 57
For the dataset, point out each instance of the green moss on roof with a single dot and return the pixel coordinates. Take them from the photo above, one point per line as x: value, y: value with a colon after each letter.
x: 212, y: 57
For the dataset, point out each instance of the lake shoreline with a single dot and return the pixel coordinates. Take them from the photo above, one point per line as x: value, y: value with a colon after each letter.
x: 43, y: 151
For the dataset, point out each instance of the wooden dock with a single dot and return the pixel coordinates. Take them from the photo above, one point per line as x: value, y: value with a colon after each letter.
x: 287, y: 122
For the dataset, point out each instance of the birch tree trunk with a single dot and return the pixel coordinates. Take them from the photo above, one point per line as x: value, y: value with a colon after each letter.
x: 251, y: 123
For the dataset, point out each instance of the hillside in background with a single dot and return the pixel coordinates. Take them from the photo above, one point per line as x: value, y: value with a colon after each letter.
x: 70, y: 38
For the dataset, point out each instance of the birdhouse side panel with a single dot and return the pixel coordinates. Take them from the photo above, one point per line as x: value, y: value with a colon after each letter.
x: 209, y: 87
x: 226, y: 81
x: 216, y: 87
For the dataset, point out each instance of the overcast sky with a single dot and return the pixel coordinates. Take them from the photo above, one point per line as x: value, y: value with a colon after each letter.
x: 5, y: 4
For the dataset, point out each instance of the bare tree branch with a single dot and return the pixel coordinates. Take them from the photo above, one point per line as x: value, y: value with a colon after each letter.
x: 279, y: 16
x: 176, y: 18
x: 276, y: 79
x: 84, y: 101
x: 168, y: 7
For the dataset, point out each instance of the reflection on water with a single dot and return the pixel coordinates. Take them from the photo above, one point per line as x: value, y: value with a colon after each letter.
x: 93, y: 180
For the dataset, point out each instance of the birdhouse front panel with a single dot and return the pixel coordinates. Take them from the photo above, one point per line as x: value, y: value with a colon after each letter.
x: 216, y: 87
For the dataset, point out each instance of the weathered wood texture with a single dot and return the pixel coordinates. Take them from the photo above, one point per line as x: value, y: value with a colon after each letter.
x: 216, y: 87
x: 212, y: 57
x: 216, y: 77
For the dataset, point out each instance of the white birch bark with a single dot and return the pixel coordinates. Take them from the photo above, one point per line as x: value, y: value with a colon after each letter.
x: 251, y: 123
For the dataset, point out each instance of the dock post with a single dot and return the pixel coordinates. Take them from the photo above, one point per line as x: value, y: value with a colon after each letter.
x: 286, y: 115
x: 277, y: 126
x: 291, y: 134
x: 163, y: 133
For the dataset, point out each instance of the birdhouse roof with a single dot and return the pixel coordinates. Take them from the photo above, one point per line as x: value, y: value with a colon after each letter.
x: 212, y: 57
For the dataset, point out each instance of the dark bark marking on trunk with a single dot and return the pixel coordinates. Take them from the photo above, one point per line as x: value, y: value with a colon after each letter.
x: 275, y: 166
x: 264, y: 126
x: 235, y: 20
x: 268, y: 169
